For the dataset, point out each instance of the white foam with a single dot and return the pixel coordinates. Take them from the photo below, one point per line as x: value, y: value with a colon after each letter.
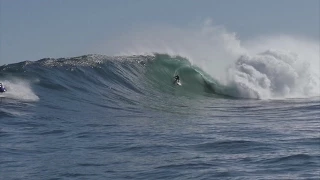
x: 18, y: 89
x: 274, y: 74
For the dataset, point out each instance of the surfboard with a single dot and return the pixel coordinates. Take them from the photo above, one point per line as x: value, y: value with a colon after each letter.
x: 178, y: 83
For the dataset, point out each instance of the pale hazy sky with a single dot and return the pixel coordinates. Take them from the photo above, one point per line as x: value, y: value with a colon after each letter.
x: 35, y: 29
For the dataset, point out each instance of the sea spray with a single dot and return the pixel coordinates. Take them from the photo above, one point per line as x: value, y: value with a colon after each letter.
x: 273, y: 74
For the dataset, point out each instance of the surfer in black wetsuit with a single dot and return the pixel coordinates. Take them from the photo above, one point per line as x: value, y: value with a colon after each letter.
x: 2, y: 89
x: 176, y: 79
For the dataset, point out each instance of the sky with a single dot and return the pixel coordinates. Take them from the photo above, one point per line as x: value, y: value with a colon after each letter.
x: 35, y: 29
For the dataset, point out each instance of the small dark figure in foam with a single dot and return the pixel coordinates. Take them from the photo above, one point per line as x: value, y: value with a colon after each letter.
x: 2, y: 88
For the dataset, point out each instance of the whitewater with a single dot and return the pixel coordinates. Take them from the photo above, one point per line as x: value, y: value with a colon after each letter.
x: 246, y: 109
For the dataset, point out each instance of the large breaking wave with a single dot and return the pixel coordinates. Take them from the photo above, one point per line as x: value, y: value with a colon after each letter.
x: 271, y: 74
x: 264, y: 67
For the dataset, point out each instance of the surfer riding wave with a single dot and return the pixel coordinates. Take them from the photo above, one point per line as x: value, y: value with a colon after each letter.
x: 177, y: 80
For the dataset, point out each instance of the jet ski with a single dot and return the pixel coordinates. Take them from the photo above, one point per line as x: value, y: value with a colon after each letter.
x: 2, y: 88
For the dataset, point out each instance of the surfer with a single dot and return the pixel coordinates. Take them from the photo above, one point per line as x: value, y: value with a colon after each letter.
x: 176, y: 79
x: 2, y: 89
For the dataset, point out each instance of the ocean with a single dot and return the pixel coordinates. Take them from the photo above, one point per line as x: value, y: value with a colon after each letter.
x: 122, y: 117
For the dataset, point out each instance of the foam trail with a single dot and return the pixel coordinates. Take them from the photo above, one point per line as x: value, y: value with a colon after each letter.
x: 19, y: 90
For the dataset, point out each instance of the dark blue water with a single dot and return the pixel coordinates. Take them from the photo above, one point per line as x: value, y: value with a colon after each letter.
x: 98, y: 117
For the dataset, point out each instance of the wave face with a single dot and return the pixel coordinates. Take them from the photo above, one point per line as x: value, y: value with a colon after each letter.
x: 271, y: 74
